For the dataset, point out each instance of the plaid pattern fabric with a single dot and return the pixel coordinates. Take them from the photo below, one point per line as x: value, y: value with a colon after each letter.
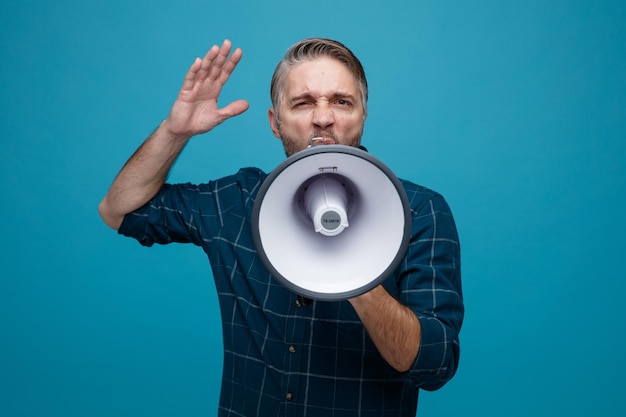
x: 287, y: 356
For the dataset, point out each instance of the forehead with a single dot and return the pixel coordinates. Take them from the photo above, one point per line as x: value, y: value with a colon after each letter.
x: 321, y: 77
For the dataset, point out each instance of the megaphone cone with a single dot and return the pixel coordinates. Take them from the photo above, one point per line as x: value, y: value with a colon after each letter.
x: 331, y: 222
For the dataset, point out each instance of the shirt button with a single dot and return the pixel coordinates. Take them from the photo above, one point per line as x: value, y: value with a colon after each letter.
x: 289, y: 396
x: 302, y: 301
x: 292, y: 349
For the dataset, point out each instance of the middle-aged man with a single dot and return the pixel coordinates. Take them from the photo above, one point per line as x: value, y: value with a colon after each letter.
x: 285, y: 355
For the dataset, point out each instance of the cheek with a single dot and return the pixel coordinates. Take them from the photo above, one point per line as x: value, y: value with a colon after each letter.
x: 295, y: 127
x: 352, y: 124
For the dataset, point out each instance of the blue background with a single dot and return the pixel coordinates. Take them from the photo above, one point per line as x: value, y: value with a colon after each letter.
x: 514, y: 110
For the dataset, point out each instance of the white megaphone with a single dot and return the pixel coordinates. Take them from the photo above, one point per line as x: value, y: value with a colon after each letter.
x: 331, y: 222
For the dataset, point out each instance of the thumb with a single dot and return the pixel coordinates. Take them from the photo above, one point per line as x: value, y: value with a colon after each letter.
x: 234, y: 109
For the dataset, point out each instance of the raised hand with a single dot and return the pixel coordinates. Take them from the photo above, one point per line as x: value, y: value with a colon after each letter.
x: 196, y: 109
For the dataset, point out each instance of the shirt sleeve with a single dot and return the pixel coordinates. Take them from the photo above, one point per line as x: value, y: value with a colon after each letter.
x: 171, y: 216
x: 429, y: 282
x: 190, y: 213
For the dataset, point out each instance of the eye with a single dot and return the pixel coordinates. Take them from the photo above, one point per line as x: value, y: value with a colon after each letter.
x: 342, y: 102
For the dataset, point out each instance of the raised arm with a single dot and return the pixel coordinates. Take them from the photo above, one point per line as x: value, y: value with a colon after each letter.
x: 195, y: 111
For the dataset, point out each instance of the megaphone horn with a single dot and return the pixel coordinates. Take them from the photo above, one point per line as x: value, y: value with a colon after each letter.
x: 331, y: 222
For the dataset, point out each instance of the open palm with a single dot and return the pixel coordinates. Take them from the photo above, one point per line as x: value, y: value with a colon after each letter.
x: 196, y: 109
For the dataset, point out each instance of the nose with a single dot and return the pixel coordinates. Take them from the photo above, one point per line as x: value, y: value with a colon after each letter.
x: 323, y: 115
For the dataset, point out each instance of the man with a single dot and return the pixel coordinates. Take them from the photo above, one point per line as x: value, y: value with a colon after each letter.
x: 285, y: 355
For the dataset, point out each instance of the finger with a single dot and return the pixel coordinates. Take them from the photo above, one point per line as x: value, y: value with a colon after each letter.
x: 220, y: 59
x: 230, y: 65
x: 191, y: 74
x: 207, y: 62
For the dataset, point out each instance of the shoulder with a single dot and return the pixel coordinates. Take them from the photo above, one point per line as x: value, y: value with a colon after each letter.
x: 419, y: 196
x: 245, y: 178
x: 246, y: 175
x: 250, y: 174
x: 430, y: 212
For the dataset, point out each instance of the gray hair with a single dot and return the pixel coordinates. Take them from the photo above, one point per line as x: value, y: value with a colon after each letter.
x: 313, y: 48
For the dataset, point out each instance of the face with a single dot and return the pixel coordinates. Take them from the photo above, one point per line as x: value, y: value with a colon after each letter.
x: 320, y: 98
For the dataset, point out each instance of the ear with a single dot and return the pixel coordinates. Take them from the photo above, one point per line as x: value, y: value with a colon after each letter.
x: 273, y: 123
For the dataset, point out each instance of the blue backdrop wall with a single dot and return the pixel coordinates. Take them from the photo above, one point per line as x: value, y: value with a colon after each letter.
x: 515, y: 111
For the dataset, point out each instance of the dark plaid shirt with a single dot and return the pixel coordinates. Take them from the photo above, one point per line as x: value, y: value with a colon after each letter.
x: 287, y: 356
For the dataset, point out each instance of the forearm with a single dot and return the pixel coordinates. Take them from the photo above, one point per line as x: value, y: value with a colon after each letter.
x: 142, y: 176
x: 194, y: 112
x: 393, y: 327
